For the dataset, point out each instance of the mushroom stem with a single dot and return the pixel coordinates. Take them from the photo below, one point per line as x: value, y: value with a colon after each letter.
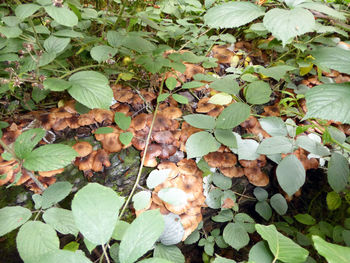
x: 144, y: 154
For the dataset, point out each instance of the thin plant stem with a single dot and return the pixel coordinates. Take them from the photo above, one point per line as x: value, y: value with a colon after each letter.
x: 105, y: 254
x: 143, y: 157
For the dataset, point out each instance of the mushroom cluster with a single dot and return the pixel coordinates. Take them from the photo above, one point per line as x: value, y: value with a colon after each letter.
x: 187, y: 177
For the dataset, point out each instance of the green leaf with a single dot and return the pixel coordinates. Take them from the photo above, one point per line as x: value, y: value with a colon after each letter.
x: 226, y: 137
x: 61, y: 220
x: 10, y: 31
x: 126, y: 137
x: 155, y: 260
x: 68, y: 33
x: 274, y: 145
x: 329, y: 101
x: 115, y: 39
x: 233, y: 14
x: 233, y: 115
x: 180, y: 99
x: 305, y: 219
x: 95, y: 209
x: 138, y: 44
x: 59, y: 256
x: 62, y: 15
x: 173, y: 196
x: 333, y: 200
x: 332, y: 252
x: 260, y: 193
x: 104, y: 130
x: 171, y: 83
x: 279, y: 203
x: 200, y: 144
x: 338, y: 172
x: 25, y: 10
x: 260, y: 253
x: 287, y: 24
x: 26, y: 142
x: 122, y: 120
x: 276, y: 72
x: 55, y: 44
x: 141, y: 200
x: 55, y: 193
x: 258, y: 92
x: 91, y: 89
x: 192, y: 85
x: 222, y: 181
x: 290, y: 174
x: 200, y: 121
x: 221, y: 98
x: 235, y: 235
x: 102, y: 53
x: 219, y: 259
x: 56, y: 84
x: 323, y: 8
x: 333, y: 58
x: 312, y: 146
x: 162, y: 97
x: 49, y: 157
x: 226, y: 84
x: 156, y: 177
x: 282, y: 247
x: 12, y: 217
x: 35, y: 239
x: 264, y: 210
x: 120, y: 229
x: 141, y: 236
x: 171, y: 253
x: 274, y: 126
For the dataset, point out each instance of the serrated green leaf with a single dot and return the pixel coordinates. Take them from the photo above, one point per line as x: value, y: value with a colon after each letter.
x: 56, y: 84
x: 200, y: 121
x: 141, y: 236
x: 227, y: 84
x: 290, y: 174
x: 141, y: 200
x: 91, y: 89
x: 338, y: 173
x: 329, y: 101
x: 235, y: 235
x: 233, y: 115
x: 171, y: 253
x: 282, y: 247
x: 102, y: 53
x: 138, y: 44
x: 49, y: 157
x: 171, y: 83
x: 226, y: 137
x: 323, y: 8
x: 26, y: 142
x: 274, y: 126
x: 258, y: 92
x: 274, y: 145
x: 287, y: 24
x: 62, y: 15
x: 25, y: 10
x: 122, y: 120
x: 55, y: 44
x: 55, y: 193
x: 35, y: 239
x: 180, y: 99
x: 10, y: 31
x: 95, y: 209
x: 233, y: 14
x: 332, y: 252
x: 12, y: 217
x: 200, y: 144
x: 276, y: 72
x: 312, y: 146
x: 61, y: 220
x: 333, y: 58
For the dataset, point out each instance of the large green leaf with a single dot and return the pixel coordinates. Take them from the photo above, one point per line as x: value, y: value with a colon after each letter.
x: 200, y: 121
x: 12, y: 217
x: 91, y: 89
x: 338, y: 173
x: 276, y: 72
x: 260, y: 253
x: 226, y: 137
x: 62, y: 15
x: 26, y: 142
x: 312, y: 145
x: 62, y: 220
x: 233, y: 14
x: 323, y: 8
x: 329, y: 101
x: 171, y: 253
x: 49, y: 157
x: 226, y: 84
x: 235, y: 235
x: 287, y: 24
x: 141, y: 236
x: 60, y: 256
x: 95, y: 210
x: 333, y: 58
x: 55, y: 193
x: 56, y: 84
x: 332, y: 252
x: 102, y: 53
x: 282, y: 247
x: 233, y: 115
x: 258, y: 92
x: 274, y: 126
x: 200, y: 144
x: 55, y: 44
x: 274, y: 145
x: 35, y: 239
x: 290, y: 174
x: 25, y: 10
x: 138, y: 44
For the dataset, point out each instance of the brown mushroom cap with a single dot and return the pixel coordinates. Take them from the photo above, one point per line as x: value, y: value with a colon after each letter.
x: 220, y: 159
x: 187, y: 166
x: 169, y: 165
x: 82, y: 148
x: 188, y: 231
x: 216, y: 111
x: 110, y: 141
x: 153, y: 151
x: 51, y: 173
x: 101, y: 159
x: 166, y: 137
x: 193, y: 69
x: 222, y: 54
x: 172, y: 112
x: 102, y: 115
x: 203, y: 106
x: 167, y: 151
x: 122, y: 94
x: 256, y: 176
x: 232, y: 171
x: 162, y: 123
x: 85, y: 164
x: 141, y: 121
